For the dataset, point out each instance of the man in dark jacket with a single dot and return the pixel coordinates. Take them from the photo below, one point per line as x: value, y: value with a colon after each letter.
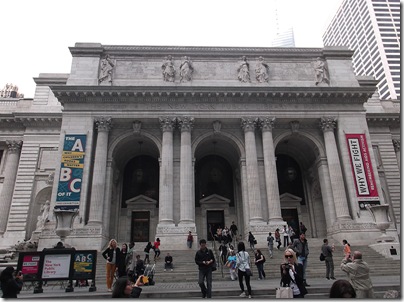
x: 301, y: 247
x: 329, y: 262
x: 205, y: 260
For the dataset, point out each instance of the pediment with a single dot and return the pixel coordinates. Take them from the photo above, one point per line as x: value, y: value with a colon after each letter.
x: 141, y: 200
x: 214, y: 199
x: 287, y: 197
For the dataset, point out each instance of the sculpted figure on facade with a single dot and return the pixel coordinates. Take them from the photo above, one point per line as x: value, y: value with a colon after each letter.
x: 186, y: 69
x: 107, y: 65
x: 168, y: 69
x: 43, y: 216
x: 321, y: 70
x: 244, y: 71
x: 261, y: 71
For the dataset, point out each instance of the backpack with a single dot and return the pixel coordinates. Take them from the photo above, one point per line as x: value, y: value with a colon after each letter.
x: 263, y: 261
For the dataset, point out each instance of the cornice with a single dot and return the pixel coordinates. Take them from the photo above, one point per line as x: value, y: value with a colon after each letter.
x: 31, y: 121
x: 384, y: 119
x: 111, y: 94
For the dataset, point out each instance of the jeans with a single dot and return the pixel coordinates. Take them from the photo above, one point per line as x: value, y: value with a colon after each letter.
x: 303, y: 261
x: 189, y: 244
x: 271, y: 250
x: 242, y: 274
x: 206, y: 290
x: 260, y: 268
x: 329, y: 267
x: 285, y: 241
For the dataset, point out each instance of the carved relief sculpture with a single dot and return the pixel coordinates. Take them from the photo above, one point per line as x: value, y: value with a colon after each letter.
x: 321, y: 70
x: 168, y: 69
x: 261, y: 71
x: 186, y: 69
x: 106, y: 67
x: 244, y: 71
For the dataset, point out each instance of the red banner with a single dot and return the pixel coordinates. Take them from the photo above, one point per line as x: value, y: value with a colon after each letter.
x: 362, y: 170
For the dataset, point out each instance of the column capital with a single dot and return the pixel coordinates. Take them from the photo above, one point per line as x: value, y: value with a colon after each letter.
x: 249, y: 123
x: 397, y: 145
x: 103, y: 123
x: 14, y: 146
x: 267, y: 123
x: 167, y: 123
x: 328, y: 123
x: 185, y: 123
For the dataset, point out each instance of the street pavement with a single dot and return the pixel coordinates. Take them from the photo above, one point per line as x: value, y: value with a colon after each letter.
x: 191, y: 289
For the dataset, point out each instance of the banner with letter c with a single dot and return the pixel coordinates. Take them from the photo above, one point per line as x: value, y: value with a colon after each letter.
x: 71, y: 172
x: 365, y: 183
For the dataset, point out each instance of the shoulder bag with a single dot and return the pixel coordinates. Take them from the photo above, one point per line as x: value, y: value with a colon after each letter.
x: 284, y: 292
x: 322, y: 257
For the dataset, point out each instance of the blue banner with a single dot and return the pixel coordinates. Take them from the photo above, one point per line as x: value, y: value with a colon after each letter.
x: 71, y: 172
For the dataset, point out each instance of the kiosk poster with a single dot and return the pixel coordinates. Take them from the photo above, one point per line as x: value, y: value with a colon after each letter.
x: 84, y: 264
x: 365, y: 184
x: 28, y: 264
x: 56, y: 266
x: 71, y: 172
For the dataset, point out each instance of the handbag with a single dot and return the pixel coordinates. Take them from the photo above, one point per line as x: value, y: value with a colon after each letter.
x: 255, y: 241
x: 322, y: 257
x: 248, y: 272
x: 284, y: 293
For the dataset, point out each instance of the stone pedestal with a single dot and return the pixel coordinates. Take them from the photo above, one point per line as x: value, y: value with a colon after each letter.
x: 387, y: 249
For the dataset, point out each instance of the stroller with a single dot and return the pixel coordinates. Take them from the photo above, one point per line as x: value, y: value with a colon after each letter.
x: 149, y: 272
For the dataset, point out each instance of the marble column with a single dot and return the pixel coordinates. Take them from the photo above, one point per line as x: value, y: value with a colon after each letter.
x: 254, y: 195
x: 396, y: 144
x: 187, y: 208
x: 271, y: 177
x: 103, y: 125
x: 328, y: 124
x: 10, y: 173
x: 166, y: 198
x: 326, y: 192
x: 245, y: 209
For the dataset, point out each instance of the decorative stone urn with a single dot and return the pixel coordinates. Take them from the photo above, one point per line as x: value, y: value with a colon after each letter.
x: 380, y: 215
x: 64, y: 222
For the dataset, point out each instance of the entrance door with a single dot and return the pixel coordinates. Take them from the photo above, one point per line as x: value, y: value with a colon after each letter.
x: 292, y: 219
x: 140, y: 226
x: 214, y: 219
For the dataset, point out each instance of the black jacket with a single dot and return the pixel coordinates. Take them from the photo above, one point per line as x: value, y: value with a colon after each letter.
x: 109, y: 253
x: 205, y: 255
x: 11, y: 288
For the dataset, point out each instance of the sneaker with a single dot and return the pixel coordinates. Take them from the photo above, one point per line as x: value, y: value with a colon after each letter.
x: 110, y: 290
x: 332, y: 278
x: 249, y: 296
x: 327, y: 278
x: 171, y: 269
x: 243, y: 295
x: 164, y: 269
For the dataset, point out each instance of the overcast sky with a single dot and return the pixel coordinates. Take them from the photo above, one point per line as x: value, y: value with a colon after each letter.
x: 36, y: 34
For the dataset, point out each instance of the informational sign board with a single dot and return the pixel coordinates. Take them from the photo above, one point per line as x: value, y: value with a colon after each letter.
x: 71, y: 172
x: 84, y: 266
x: 29, y: 263
x: 56, y: 266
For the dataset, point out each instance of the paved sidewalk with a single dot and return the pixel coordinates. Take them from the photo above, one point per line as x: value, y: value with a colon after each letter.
x: 191, y: 287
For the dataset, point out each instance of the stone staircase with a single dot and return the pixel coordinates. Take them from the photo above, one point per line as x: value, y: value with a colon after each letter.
x: 185, y: 269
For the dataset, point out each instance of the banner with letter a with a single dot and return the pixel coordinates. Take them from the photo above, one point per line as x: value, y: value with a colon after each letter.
x: 362, y: 170
x: 71, y: 172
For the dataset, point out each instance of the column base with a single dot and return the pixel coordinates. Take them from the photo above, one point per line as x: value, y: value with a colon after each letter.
x: 387, y: 249
x: 175, y: 237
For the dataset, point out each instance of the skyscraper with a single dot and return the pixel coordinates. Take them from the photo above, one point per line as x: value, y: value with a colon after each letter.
x: 285, y: 38
x: 372, y: 29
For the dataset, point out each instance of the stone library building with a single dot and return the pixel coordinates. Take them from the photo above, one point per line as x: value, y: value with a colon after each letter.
x: 146, y: 142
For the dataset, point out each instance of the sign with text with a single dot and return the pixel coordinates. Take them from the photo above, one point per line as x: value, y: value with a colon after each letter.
x: 365, y: 184
x: 56, y: 266
x: 84, y: 265
x: 29, y: 265
x: 71, y: 172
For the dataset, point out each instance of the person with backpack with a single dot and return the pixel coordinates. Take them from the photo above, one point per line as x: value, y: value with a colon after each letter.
x: 259, y: 262
x: 270, y: 240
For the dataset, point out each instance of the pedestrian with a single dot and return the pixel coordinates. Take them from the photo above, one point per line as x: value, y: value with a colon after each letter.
x: 303, y: 228
x: 147, y: 249
x: 138, y: 267
x: 122, y: 260
x: 270, y: 240
x: 259, y: 262
x: 232, y: 261
x: 301, y: 247
x: 123, y: 288
x: 190, y: 240
x: 329, y: 262
x: 347, y: 248
x: 111, y: 254
x: 10, y: 282
x: 233, y: 230
x: 292, y: 274
x: 205, y: 260
x: 168, y: 262
x: 285, y: 233
x: 157, y: 249
x: 243, y: 265
x: 278, y: 238
x: 291, y: 233
x: 342, y: 289
x: 251, y: 240
x: 358, y: 274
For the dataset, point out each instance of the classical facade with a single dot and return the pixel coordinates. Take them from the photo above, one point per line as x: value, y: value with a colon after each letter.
x: 153, y: 142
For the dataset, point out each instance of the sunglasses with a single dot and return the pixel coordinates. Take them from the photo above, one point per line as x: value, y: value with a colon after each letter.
x: 288, y: 256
